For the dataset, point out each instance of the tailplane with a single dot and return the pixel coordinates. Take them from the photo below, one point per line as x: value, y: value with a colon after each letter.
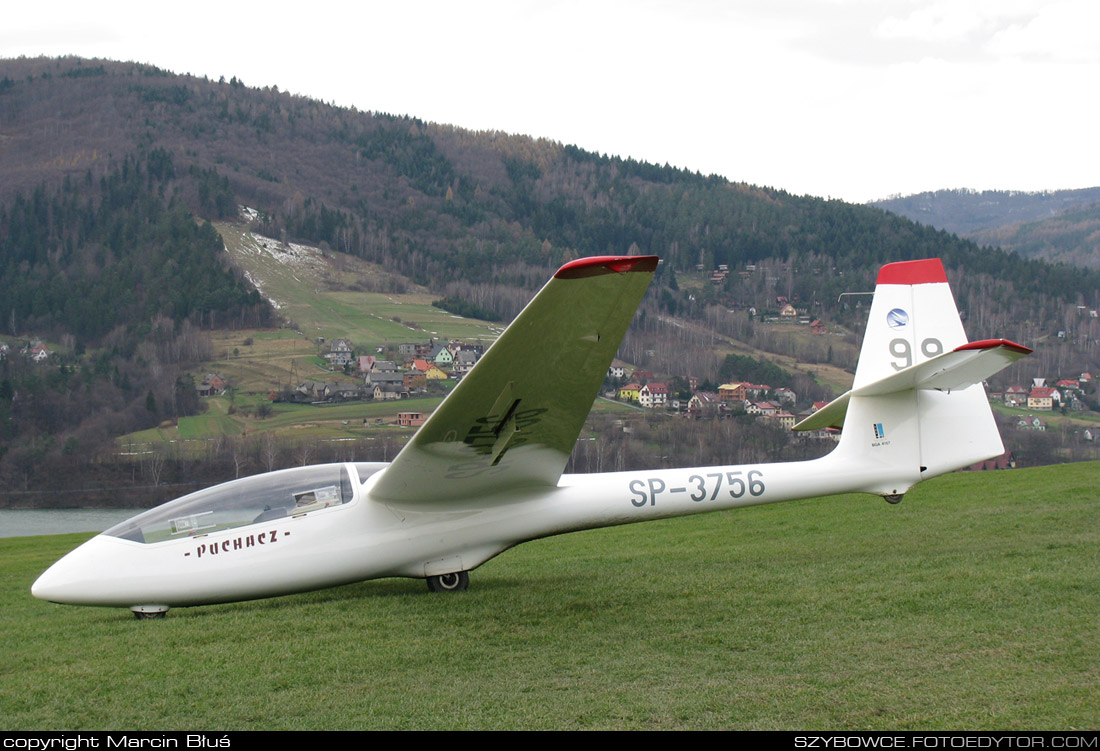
x: 917, y: 407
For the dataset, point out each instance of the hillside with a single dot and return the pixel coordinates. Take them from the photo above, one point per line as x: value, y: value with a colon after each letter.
x: 440, y: 204
x: 1072, y: 236
x: 1058, y: 226
x: 116, y: 175
x: 967, y: 212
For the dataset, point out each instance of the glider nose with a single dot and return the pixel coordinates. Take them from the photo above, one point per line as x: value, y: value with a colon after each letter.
x: 70, y: 581
x: 50, y: 585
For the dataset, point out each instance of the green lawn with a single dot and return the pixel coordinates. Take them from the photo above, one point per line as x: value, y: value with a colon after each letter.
x: 972, y: 604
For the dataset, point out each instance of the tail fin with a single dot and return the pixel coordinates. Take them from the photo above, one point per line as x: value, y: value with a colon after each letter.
x: 917, y: 407
x: 913, y: 318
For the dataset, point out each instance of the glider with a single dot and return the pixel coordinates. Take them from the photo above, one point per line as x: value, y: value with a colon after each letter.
x: 484, y: 473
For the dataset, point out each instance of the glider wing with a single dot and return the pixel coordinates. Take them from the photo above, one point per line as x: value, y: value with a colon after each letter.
x: 514, y: 418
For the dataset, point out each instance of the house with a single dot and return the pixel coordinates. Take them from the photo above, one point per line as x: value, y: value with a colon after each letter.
x: 212, y: 383
x: 340, y: 352
x: 441, y: 356
x: 342, y: 392
x: 1015, y: 396
x: 37, y: 352
x: 785, y: 395
x: 1042, y: 399
x: 787, y: 312
x: 410, y: 419
x: 370, y: 363
x: 653, y: 395
x: 435, y: 373
x: 414, y: 381
x: 389, y: 393
x: 385, y: 380
x: 464, y: 360
x: 1031, y: 422
x: 767, y: 409
x: 313, y: 391
x: 629, y: 392
x: 616, y: 371
x: 785, y: 420
x: 732, y: 392
x: 817, y: 327
x: 703, y: 404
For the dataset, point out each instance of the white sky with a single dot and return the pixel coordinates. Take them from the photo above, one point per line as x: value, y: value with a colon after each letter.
x: 853, y: 99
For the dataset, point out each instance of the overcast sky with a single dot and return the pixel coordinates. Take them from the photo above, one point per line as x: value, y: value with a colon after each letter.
x: 851, y: 99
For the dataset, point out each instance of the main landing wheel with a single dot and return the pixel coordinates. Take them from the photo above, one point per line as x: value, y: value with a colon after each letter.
x: 457, y: 582
x: 149, y: 612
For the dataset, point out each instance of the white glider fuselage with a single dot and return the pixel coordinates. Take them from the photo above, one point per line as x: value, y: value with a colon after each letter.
x: 365, y: 539
x: 485, y: 471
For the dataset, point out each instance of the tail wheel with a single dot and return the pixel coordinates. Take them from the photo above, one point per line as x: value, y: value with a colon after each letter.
x: 456, y: 582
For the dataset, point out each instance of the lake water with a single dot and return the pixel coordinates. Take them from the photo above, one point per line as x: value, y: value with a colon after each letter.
x: 22, y: 523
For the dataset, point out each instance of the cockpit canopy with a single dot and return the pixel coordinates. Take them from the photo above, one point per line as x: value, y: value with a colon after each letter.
x: 250, y: 500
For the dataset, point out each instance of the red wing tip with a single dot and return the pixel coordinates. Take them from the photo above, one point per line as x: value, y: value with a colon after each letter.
x: 991, y: 343
x: 597, y: 265
x: 926, y: 271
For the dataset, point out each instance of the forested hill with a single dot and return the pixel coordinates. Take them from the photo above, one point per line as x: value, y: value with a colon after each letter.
x: 966, y: 212
x: 441, y: 204
x: 86, y: 258
x: 1055, y: 226
x: 112, y: 173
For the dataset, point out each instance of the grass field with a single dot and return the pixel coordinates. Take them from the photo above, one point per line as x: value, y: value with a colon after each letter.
x: 972, y: 604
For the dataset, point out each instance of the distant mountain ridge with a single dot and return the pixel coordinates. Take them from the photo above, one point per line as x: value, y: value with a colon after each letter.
x: 1058, y: 226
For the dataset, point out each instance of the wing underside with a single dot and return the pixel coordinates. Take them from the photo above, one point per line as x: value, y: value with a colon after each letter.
x: 514, y: 419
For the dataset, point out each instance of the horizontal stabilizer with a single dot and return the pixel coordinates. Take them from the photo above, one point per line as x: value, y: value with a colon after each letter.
x: 829, y: 416
x: 952, y: 371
